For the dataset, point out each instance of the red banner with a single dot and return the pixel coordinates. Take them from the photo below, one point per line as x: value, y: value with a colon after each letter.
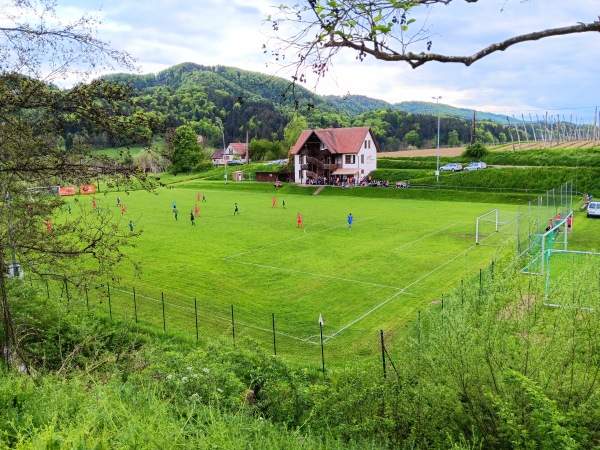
x: 87, y: 189
x: 67, y: 190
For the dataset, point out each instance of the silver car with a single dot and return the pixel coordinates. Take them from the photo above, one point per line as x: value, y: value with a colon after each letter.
x: 476, y: 166
x: 451, y: 167
x: 593, y: 209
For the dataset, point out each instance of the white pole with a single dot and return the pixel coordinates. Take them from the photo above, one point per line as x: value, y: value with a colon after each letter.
x: 437, y: 167
x: 496, y: 220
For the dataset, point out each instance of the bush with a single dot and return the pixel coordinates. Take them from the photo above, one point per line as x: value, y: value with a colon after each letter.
x: 476, y: 150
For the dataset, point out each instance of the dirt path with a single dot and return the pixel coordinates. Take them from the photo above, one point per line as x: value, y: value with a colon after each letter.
x: 457, y: 151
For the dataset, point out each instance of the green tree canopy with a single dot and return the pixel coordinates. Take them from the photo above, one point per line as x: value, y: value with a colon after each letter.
x: 453, y: 139
x: 413, y: 138
x: 292, y: 130
x: 187, y: 153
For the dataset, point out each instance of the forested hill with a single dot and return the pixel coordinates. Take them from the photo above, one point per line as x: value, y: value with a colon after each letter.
x: 261, y: 106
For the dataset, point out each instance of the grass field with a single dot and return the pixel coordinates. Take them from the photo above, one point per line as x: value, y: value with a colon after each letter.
x: 259, y: 267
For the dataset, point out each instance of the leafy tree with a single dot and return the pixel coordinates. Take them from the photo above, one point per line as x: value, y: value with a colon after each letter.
x: 453, y: 139
x: 502, y: 137
x: 313, y: 32
x: 292, y: 130
x: 35, y: 116
x: 264, y: 149
x: 413, y: 138
x: 149, y: 160
x: 187, y: 153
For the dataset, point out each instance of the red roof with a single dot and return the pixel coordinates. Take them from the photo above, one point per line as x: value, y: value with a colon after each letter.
x: 337, y: 140
x: 239, y: 148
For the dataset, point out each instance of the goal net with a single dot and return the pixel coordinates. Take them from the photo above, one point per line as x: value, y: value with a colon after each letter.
x: 541, y: 245
x: 485, y: 225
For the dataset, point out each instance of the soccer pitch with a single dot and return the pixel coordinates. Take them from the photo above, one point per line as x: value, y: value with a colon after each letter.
x: 266, y: 272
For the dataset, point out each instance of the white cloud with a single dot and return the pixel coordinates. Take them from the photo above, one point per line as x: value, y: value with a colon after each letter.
x: 551, y: 74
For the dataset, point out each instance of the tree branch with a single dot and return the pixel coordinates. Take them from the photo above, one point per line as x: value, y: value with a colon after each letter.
x: 418, y: 59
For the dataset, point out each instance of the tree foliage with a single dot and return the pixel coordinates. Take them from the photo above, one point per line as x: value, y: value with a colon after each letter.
x: 476, y: 151
x: 187, y: 153
x: 44, y: 141
x: 292, y: 130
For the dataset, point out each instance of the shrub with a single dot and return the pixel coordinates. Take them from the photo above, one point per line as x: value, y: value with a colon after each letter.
x: 476, y: 150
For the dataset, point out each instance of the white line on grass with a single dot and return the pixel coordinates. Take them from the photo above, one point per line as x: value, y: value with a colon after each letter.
x: 426, y: 236
x: 305, y: 235
x: 284, y: 269
x: 401, y: 291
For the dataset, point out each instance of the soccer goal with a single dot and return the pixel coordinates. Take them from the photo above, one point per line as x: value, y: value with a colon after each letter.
x: 542, y: 244
x: 485, y: 224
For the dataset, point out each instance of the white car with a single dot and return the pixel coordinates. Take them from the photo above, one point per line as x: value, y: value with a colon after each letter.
x: 476, y: 166
x: 451, y: 167
x: 593, y: 209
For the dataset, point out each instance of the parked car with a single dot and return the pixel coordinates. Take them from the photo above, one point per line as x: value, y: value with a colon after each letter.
x: 593, y: 209
x: 235, y: 162
x: 451, y: 167
x: 476, y: 166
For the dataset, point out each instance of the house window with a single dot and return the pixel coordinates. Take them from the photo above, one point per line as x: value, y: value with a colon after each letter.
x: 350, y: 159
x: 362, y: 159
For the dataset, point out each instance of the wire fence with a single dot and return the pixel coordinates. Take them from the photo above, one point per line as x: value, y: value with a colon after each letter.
x: 199, y: 322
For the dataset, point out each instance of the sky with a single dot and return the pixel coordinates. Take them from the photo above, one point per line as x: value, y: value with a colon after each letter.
x: 558, y: 75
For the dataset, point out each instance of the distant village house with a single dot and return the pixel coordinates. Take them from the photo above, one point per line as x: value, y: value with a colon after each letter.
x: 235, y: 151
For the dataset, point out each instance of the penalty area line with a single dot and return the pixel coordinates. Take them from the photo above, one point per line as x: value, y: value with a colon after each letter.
x: 401, y: 291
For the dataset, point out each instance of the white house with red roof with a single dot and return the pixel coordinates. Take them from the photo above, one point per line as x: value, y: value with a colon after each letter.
x: 234, y: 151
x: 334, y: 152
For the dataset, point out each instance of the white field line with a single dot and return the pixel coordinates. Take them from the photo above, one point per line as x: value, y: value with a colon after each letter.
x: 284, y: 269
x: 274, y: 244
x: 305, y: 235
x: 398, y: 293
x: 221, y: 318
x: 426, y: 236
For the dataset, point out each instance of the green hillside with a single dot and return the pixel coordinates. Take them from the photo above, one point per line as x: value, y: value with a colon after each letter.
x: 260, y: 106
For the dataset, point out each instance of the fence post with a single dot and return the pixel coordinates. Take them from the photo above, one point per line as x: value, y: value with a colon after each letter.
x: 322, y: 346
x: 134, y: 306
x: 382, y: 353
x: 47, y: 289
x: 162, y: 296
x: 462, y: 292
x: 232, y: 325
x: 419, y: 330
x: 66, y: 289
x: 442, y: 313
x: 109, y: 302
x: 492, y: 269
x: 87, y: 298
x: 196, y: 314
x: 274, y: 341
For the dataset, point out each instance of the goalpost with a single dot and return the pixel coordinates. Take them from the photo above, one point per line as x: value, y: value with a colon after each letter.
x: 482, y: 218
x: 541, y: 245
